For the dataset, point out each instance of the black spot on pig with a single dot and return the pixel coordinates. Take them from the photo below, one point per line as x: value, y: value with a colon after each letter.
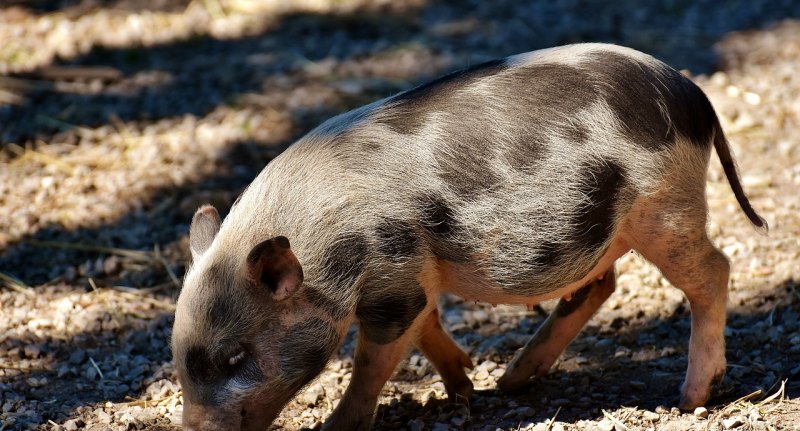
x: 463, y: 162
x: 223, y: 312
x: 384, y: 315
x: 199, y: 367
x: 551, y: 95
x: 305, y: 350
x: 407, y: 111
x: 546, y: 256
x: 525, y: 151
x: 329, y: 305
x: 396, y: 239
x: 344, y: 260
x: 438, y: 218
x: 565, y: 308
x: 443, y: 230
x: 603, y: 185
x: 552, y: 92
x: 575, y: 133
x: 653, y: 104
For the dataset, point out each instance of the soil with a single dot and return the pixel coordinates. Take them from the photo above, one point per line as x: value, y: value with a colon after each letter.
x: 118, y: 118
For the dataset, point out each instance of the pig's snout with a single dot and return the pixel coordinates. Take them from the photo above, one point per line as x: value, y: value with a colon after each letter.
x: 207, y: 418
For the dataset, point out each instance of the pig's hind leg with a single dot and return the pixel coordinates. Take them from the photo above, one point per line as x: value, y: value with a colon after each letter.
x: 446, y: 356
x: 672, y: 236
x: 555, y: 334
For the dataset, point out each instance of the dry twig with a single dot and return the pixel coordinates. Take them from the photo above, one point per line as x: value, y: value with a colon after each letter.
x: 614, y: 420
x: 160, y: 258
x: 133, y: 254
x: 16, y: 285
x: 553, y: 420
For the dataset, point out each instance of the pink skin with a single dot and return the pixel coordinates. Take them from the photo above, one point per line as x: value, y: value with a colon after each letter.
x: 448, y: 358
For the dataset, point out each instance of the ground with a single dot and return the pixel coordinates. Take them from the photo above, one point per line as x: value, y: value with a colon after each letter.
x: 119, y: 117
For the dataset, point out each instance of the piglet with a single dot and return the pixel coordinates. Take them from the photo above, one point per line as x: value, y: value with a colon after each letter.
x: 514, y: 181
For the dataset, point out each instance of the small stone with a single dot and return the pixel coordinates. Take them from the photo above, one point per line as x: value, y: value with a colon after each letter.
x: 36, y: 382
x: 73, y: 424
x: 732, y: 422
x: 78, y: 356
x: 416, y: 425
x: 651, y: 416
x: 605, y: 342
x: 312, y: 395
x: 112, y: 265
x: 701, y: 412
x: 488, y: 365
x: 752, y: 98
x: 32, y: 351
x: 606, y: 425
x: 103, y: 416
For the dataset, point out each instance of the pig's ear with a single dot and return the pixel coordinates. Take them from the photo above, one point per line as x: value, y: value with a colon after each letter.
x: 273, y: 265
x: 205, y: 225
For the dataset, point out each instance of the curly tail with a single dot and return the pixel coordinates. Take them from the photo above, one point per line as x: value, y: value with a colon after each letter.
x: 731, y: 172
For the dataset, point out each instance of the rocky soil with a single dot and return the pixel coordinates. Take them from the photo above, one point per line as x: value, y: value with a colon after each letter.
x: 119, y: 117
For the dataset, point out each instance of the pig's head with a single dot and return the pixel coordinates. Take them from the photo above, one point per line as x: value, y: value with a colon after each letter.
x: 244, y: 341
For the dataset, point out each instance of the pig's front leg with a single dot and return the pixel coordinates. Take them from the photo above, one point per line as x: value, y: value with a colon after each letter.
x: 555, y: 334
x: 447, y: 357
x: 373, y: 365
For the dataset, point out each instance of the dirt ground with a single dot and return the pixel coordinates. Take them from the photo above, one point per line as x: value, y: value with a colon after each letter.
x: 118, y: 118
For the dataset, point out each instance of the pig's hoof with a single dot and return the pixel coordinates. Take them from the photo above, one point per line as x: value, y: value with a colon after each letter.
x: 691, y: 401
x: 512, y: 383
x: 461, y: 392
x: 693, y: 397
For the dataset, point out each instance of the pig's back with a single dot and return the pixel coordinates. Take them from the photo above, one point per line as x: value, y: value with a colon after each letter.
x: 523, y: 167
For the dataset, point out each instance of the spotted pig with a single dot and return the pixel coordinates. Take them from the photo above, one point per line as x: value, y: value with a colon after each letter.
x: 514, y: 181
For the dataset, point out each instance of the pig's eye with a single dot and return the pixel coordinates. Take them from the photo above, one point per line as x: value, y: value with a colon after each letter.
x: 236, y: 359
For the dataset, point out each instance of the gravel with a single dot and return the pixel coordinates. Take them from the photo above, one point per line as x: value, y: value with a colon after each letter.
x: 111, y: 139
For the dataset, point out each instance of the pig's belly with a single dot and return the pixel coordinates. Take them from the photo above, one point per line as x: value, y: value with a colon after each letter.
x: 464, y: 280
